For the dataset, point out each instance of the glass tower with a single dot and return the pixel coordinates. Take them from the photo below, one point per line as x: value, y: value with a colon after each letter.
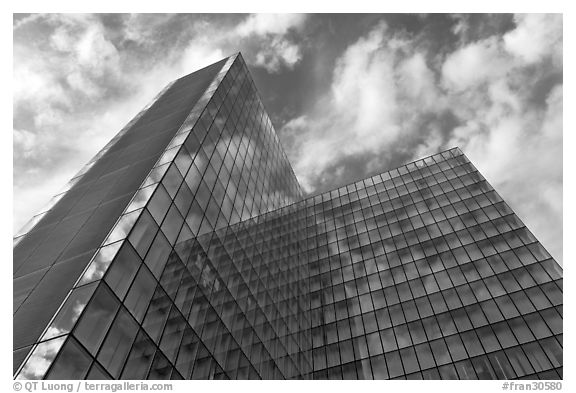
x: 186, y: 249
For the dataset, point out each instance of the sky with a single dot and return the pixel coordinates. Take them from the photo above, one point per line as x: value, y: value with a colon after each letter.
x: 350, y: 95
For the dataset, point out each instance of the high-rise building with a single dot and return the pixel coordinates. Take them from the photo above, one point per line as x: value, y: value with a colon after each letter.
x: 186, y: 249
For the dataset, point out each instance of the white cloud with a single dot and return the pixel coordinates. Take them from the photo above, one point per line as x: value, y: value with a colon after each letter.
x: 518, y: 147
x: 433, y: 142
x: 24, y: 142
x: 370, y: 105
x: 81, y: 41
x: 95, y: 52
x: 33, y: 83
x: 278, y: 52
x: 275, y: 24
x: 416, y: 81
x: 275, y: 49
x: 474, y: 64
x: 535, y: 37
x: 461, y: 26
x: 198, y: 55
x: 81, y: 83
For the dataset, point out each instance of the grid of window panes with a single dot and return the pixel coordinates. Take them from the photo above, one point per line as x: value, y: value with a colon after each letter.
x: 425, y: 272
x: 422, y: 272
x: 51, y: 252
x: 162, y: 310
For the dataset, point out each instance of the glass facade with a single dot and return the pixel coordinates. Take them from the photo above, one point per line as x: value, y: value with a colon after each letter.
x: 216, y: 266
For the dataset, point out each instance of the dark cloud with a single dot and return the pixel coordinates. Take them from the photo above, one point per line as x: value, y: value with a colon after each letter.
x: 542, y: 87
x: 473, y: 27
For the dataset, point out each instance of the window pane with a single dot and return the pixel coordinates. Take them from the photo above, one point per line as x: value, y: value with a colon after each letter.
x: 388, y: 340
x: 96, y: 318
x: 553, y: 319
x: 488, y: 339
x: 172, y: 180
x: 553, y: 292
x: 100, y: 263
x: 409, y: 360
x: 97, y: 373
x: 394, y: 364
x: 157, y: 314
x: 425, y: 357
x: 172, y: 334
x: 431, y: 374
x: 440, y: 352
x: 417, y: 332
x: 553, y: 350
x: 72, y: 362
x: 143, y: 233
x: 432, y: 329
x: 70, y: 311
x: 447, y: 324
x: 465, y: 370
x: 156, y: 175
x: 472, y: 343
x: 140, y: 357
x: 41, y: 359
x: 141, y: 198
x: 519, y: 361
x: 522, y: 302
x: 402, y: 336
x: 537, y: 325
x: 319, y: 358
x: 448, y: 372
x: 158, y: 205
x: 456, y: 347
x: 194, y: 217
x: 123, y: 227
x: 501, y: 365
x: 374, y: 344
x: 140, y: 293
x: 172, y: 224
x: 360, y: 348
x: 158, y: 255
x: 521, y: 330
x: 346, y: 351
x: 161, y: 368
x: 117, y: 344
x: 184, y: 199
x: 119, y: 276
x: 537, y: 357
x: 363, y: 369
x: 483, y: 368
x: 507, y: 307
x: 538, y: 298
x: 187, y: 353
x: 491, y: 310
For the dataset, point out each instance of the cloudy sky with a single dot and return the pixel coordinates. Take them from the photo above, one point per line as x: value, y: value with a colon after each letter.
x: 349, y: 95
